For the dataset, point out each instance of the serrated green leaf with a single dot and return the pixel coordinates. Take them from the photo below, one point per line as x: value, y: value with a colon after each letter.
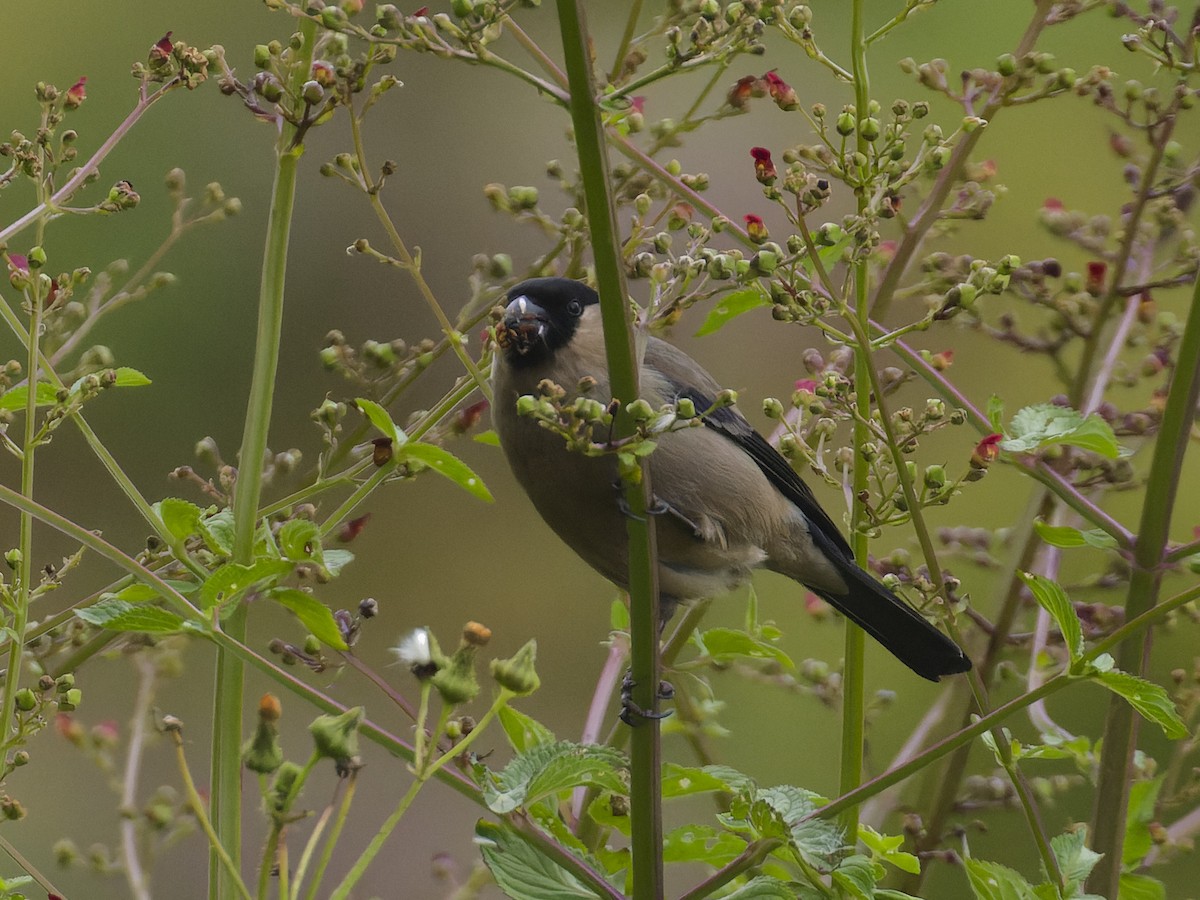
x: 127, y: 377
x: 546, y: 769
x: 1067, y: 537
x: 702, y: 843
x: 600, y: 810
x: 135, y: 593
x: 819, y: 843
x: 523, y: 732
x: 732, y: 306
x: 684, y: 781
x: 1150, y: 700
x: 764, y: 887
x: 231, y: 580
x: 521, y: 871
x: 1044, y: 424
x: 179, y: 517
x: 993, y: 881
x: 1141, y: 887
x: 217, y: 531
x: 114, y: 614
x: 313, y: 615
x: 729, y: 644
x: 300, y: 541
x: 1054, y: 600
x: 856, y: 875
x: 447, y: 464
x: 378, y: 416
x: 1075, y: 859
x: 14, y: 399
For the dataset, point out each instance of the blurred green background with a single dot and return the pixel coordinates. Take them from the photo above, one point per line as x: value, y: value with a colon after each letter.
x: 431, y: 555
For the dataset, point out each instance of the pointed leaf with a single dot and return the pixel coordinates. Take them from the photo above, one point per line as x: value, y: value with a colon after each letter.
x: 489, y: 437
x: 684, y: 781
x: 764, y: 887
x: 993, y: 881
x: 1141, y: 887
x: 702, y: 843
x: 889, y: 849
x: 732, y: 306
x: 546, y: 769
x: 1150, y: 700
x: 1044, y: 424
x: 445, y: 463
x: 379, y: 417
x: 1143, y: 808
x: 335, y: 560
x: 14, y: 399
x: 1054, y: 600
x: 524, y: 732
x: 300, y: 541
x: 231, y: 580
x: 856, y: 875
x: 127, y: 377
x: 217, y: 531
x: 179, y: 517
x: 114, y: 614
x: 1065, y: 536
x: 313, y: 615
x: 730, y: 644
x: 521, y: 871
x: 995, y: 412
x: 1075, y: 859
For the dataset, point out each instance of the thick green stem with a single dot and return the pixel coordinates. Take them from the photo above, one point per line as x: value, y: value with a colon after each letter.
x: 623, y: 365
x: 226, y: 806
x: 1121, y: 724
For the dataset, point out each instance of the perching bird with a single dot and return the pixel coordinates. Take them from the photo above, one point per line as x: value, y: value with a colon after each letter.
x: 728, y: 501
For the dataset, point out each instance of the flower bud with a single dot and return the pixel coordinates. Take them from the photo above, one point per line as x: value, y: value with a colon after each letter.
x: 26, y: 700
x: 336, y: 737
x: 456, y: 681
x: 518, y: 674
x: 935, y: 477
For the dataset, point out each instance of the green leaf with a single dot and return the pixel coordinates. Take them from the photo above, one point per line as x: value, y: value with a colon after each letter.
x: 1141, y: 887
x: 601, y: 812
x: 732, y: 306
x: 217, y: 531
x: 546, y: 769
x: 300, y: 541
x: 127, y: 377
x: 1149, y: 699
x: 1075, y: 859
x: 489, y: 437
x: 47, y: 395
x: 730, y: 644
x: 764, y: 887
x: 995, y: 412
x: 856, y: 875
x: 684, y: 781
x: 1065, y: 536
x: 780, y: 811
x: 1054, y: 600
x: 1044, y: 424
x: 231, y: 580
x: 335, y: 560
x: 313, y: 615
x: 114, y: 614
x: 179, y: 517
x: 446, y: 463
x: 993, y: 881
x: 702, y: 843
x: 521, y: 871
x: 1143, y: 808
x: 887, y: 848
x: 379, y: 417
x: 524, y: 732
x: 618, y: 616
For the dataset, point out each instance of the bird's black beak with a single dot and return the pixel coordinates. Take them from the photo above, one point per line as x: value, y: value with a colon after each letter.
x: 524, y: 325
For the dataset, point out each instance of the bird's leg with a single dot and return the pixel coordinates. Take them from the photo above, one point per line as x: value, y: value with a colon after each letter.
x: 657, y: 507
x: 632, y: 714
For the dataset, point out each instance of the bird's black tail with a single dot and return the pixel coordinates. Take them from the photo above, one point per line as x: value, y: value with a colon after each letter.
x: 901, y: 629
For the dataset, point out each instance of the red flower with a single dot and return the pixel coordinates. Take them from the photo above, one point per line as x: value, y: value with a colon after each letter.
x: 764, y: 167
x: 1096, y: 270
x: 1053, y: 204
x: 423, y: 11
x: 747, y: 86
x: 986, y: 451
x: 781, y: 92
x: 162, y: 51
x: 756, y: 229
x: 942, y: 361
x: 76, y: 94
x: 638, y: 104
x: 353, y: 528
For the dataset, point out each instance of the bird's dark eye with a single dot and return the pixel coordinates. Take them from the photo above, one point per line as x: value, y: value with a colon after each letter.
x: 574, y: 308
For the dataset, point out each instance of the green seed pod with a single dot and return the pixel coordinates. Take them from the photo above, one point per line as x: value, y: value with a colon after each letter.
x: 336, y: 737
x: 518, y: 673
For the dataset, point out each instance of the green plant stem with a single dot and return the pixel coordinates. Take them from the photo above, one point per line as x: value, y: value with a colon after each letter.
x: 230, y: 676
x: 339, y: 823
x: 631, y: 21
x: 623, y: 366
x: 854, y: 665
x: 23, y: 595
x: 1121, y: 724
x: 29, y: 868
x: 196, y: 804
x: 279, y: 820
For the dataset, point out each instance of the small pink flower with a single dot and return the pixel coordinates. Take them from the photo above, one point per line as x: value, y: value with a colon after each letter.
x: 764, y: 167
x: 942, y: 360
x: 1052, y: 204
x: 781, y: 92
x: 986, y: 451
x: 806, y: 384
x: 162, y: 50
x: 755, y: 228
x: 76, y: 94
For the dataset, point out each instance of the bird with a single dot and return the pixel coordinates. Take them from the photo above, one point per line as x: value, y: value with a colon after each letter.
x: 727, y: 502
